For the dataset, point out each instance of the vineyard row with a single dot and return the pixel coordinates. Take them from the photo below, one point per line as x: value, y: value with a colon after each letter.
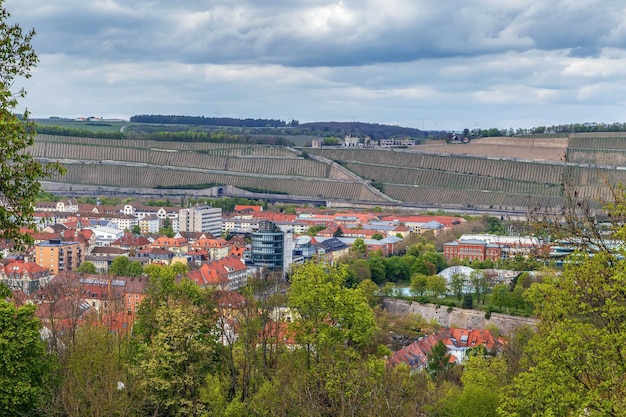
x: 269, y: 166
x: 498, y: 168
x: 442, y: 179
x: 140, y: 177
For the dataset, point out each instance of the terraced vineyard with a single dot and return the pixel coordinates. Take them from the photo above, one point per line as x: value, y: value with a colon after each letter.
x: 587, y: 162
x: 152, y: 164
x: 144, y: 177
x: 597, y: 148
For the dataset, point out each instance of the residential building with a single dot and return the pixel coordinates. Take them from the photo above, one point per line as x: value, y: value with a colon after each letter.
x: 56, y: 255
x: 27, y: 277
x: 457, y: 341
x: 149, y: 224
x: 329, y: 250
x: 511, y: 246
x: 175, y: 245
x: 225, y: 274
x: 217, y: 248
x: 201, y: 219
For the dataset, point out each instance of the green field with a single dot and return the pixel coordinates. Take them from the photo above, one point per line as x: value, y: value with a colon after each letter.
x: 96, y: 126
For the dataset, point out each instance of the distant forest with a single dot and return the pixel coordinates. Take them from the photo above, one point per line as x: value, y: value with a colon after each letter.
x: 208, y: 121
x: 293, y: 127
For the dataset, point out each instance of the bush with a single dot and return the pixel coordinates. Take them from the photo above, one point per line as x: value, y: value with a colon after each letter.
x: 488, y: 313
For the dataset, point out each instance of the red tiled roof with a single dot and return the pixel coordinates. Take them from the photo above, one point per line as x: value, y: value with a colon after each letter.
x: 216, y: 272
x: 446, y: 221
x: 210, y: 243
x: 128, y: 239
x: 248, y: 208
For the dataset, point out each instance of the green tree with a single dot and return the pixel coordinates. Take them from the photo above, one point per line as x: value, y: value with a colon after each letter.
x: 24, y: 366
x: 458, y: 281
x: 378, y: 272
x: 120, y: 266
x: 378, y: 236
x: 87, y: 268
x: 419, y: 284
x: 19, y: 171
x: 436, y: 285
x: 329, y: 314
x: 483, y: 378
x: 358, y: 247
x: 439, y: 360
x: 135, y: 230
x: 500, y: 295
x: 578, y: 351
x: 396, y: 269
x: 358, y: 270
x: 135, y: 269
x: 476, y: 279
x: 94, y: 376
x: 171, y: 367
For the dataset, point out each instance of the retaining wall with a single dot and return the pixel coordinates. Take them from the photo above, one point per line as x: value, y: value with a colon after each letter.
x: 457, y: 317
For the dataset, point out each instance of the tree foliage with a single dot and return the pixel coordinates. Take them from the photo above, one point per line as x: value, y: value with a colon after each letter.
x: 578, y: 354
x: 19, y: 171
x: 24, y: 368
x: 329, y: 314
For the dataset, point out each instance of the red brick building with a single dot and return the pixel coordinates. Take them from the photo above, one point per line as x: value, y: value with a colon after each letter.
x: 472, y: 250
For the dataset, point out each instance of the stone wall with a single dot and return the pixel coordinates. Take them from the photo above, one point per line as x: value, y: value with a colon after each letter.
x: 457, y: 317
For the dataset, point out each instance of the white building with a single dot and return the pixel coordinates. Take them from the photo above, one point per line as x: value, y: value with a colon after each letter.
x: 106, y: 235
x: 201, y: 219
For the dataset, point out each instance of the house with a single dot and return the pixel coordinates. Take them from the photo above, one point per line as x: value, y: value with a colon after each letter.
x: 103, y: 293
x: 226, y: 274
x: 156, y: 255
x: 457, y: 342
x: 217, y: 248
x: 131, y: 243
x: 329, y: 250
x: 27, y: 277
x: 175, y: 245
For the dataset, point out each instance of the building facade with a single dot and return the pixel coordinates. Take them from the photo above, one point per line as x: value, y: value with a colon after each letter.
x: 472, y: 250
x: 267, y: 249
x: 57, y: 256
x: 201, y: 219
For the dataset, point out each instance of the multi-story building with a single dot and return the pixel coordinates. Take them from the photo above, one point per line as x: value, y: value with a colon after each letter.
x: 226, y: 274
x: 201, y: 219
x: 472, y: 250
x: 56, y: 255
x: 216, y: 248
x: 149, y: 224
x: 267, y: 249
x: 27, y: 277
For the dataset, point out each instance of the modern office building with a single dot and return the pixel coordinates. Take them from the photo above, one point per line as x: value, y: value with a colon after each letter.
x: 201, y: 219
x: 267, y: 249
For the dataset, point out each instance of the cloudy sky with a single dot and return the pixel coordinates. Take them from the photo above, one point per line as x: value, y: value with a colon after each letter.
x: 431, y: 64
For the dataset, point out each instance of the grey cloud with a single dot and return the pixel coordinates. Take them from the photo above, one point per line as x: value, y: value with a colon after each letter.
x: 311, y: 33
